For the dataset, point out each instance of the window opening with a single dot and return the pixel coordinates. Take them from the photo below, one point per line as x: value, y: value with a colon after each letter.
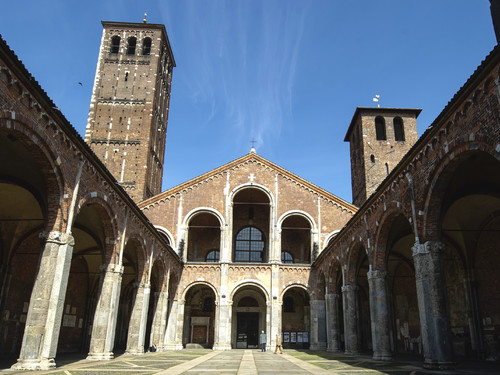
x: 372, y: 158
x: 146, y: 46
x: 249, y: 245
x: 132, y: 42
x: 286, y: 257
x: 387, y: 168
x: 115, y: 44
x: 126, y: 76
x: 399, y: 131
x: 380, y: 129
x: 212, y: 256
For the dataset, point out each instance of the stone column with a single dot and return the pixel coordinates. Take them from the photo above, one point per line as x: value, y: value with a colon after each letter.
x: 43, y: 321
x: 159, y: 320
x: 104, y: 324
x: 223, y: 333
x: 138, y: 320
x: 350, y: 302
x: 169, y: 342
x: 318, y: 325
x: 332, y: 322
x: 379, y: 314
x: 431, y: 293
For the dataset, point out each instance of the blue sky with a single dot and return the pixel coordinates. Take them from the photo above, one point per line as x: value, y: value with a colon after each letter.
x: 287, y: 73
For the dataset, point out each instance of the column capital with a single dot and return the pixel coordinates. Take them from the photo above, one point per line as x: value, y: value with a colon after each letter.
x: 350, y: 288
x: 428, y: 247
x: 57, y: 237
x: 376, y: 274
x: 111, y: 268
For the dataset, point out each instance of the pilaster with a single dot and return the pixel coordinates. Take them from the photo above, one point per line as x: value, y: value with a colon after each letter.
x: 159, y: 320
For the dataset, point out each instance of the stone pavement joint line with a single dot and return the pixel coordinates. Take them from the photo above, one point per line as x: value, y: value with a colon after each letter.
x: 186, y: 366
x: 247, y: 365
x: 305, y: 366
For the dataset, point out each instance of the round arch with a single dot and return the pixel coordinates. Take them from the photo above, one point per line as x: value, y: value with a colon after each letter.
x: 330, y: 237
x: 294, y: 285
x: 297, y: 213
x: 198, y: 210
x: 249, y: 282
x: 252, y: 185
x: 199, y: 282
x: 166, y: 233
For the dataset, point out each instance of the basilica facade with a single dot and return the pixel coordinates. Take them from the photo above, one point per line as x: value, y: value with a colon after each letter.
x: 96, y: 259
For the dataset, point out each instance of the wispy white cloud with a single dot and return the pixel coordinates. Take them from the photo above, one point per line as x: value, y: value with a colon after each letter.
x: 247, y: 86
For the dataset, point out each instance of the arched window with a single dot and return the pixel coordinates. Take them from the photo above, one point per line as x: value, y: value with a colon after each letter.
x: 249, y: 245
x: 146, y: 46
x: 132, y: 42
x: 399, y: 131
x: 213, y: 256
x: 380, y: 128
x: 286, y: 257
x: 115, y: 44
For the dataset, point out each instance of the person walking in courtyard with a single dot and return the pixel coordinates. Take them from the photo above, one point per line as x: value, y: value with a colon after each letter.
x: 263, y: 340
x: 278, y: 344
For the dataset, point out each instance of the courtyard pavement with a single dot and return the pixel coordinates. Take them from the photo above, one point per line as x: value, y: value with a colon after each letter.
x: 248, y: 362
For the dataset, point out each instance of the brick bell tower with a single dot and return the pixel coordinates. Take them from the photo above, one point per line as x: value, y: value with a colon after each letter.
x: 379, y: 138
x: 127, y: 123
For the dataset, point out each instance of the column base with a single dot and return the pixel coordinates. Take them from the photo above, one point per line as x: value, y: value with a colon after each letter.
x: 35, y: 364
x: 382, y: 356
x: 100, y: 356
x: 222, y: 347
x: 430, y: 364
x: 317, y: 347
x: 351, y: 352
x: 333, y: 350
x: 447, y: 365
x: 135, y: 351
x: 173, y: 347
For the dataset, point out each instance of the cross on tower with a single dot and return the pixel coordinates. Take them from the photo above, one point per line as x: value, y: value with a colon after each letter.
x: 251, y: 177
x: 253, y: 142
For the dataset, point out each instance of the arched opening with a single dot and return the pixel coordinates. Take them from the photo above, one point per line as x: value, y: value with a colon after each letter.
x: 83, y: 283
x: 115, y: 44
x: 248, y: 318
x: 131, y: 44
x: 380, y: 129
x: 199, y: 317
x: 251, y: 226
x: 399, y: 130
x: 203, y: 237
x: 470, y: 230
x: 295, y: 319
x: 363, y: 295
x: 27, y: 185
x: 402, y: 287
x: 296, y: 238
x: 131, y: 281
x: 146, y: 46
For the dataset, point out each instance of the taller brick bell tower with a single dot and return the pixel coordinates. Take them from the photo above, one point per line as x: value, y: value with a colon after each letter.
x: 379, y: 138
x: 127, y: 123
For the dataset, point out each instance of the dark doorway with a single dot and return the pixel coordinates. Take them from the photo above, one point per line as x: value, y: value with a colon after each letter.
x: 247, y: 330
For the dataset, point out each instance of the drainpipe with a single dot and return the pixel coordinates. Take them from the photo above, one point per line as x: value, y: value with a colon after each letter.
x: 72, y: 205
x: 413, y: 212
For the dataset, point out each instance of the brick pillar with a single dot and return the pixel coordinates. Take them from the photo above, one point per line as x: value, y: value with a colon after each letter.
x: 350, y: 302
x: 104, y: 324
x: 332, y: 322
x: 318, y: 325
x: 431, y: 293
x: 379, y: 314
x: 159, y: 321
x: 43, y: 321
x: 138, y: 320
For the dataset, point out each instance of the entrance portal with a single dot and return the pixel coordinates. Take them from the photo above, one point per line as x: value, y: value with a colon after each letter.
x: 247, y: 330
x: 248, y: 317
